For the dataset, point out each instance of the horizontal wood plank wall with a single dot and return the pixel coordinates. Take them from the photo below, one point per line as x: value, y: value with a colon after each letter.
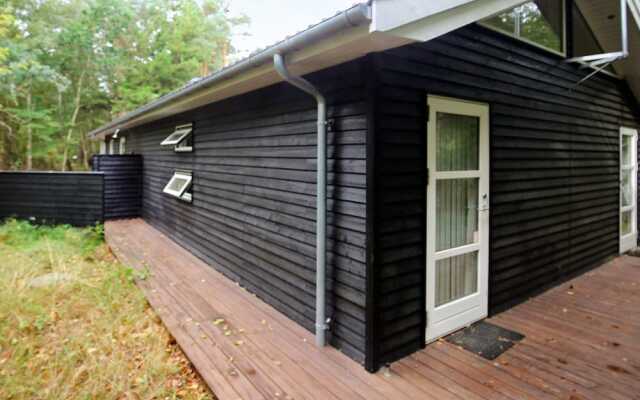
x: 554, y: 170
x: 253, y: 210
x: 122, y: 184
x: 73, y: 198
x: 400, y: 208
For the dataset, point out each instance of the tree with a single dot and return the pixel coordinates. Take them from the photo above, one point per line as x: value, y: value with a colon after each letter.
x: 67, y: 66
x: 26, y: 77
x: 177, y: 41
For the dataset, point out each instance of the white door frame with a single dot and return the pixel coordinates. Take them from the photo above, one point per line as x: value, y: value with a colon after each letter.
x: 630, y: 240
x: 464, y: 311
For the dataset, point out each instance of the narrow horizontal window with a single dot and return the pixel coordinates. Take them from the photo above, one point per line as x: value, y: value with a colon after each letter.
x: 539, y: 22
x: 179, y: 185
x: 181, y: 133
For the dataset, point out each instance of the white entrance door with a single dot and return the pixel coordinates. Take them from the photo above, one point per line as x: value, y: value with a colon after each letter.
x: 457, y: 214
x: 628, y: 188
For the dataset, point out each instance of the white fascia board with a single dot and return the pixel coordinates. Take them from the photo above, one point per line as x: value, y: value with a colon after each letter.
x: 341, y: 47
x: 423, y: 22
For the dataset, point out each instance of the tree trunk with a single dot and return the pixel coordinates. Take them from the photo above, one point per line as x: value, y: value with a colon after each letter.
x: 84, y: 147
x: 74, y: 117
x: 7, y: 133
x: 29, y: 132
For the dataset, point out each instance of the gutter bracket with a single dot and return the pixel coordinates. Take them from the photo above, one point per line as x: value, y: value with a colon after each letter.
x: 598, y: 62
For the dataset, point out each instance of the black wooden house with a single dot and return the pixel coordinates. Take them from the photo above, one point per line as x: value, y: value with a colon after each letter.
x: 476, y: 154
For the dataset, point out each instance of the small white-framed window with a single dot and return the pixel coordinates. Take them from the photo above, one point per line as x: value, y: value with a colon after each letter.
x: 180, y: 185
x: 180, y: 138
x: 112, y: 143
x: 123, y: 145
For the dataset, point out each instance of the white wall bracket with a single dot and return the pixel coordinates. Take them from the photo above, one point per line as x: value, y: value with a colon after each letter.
x: 598, y: 62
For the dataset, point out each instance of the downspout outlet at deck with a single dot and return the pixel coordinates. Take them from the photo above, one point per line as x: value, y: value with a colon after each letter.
x: 321, y: 193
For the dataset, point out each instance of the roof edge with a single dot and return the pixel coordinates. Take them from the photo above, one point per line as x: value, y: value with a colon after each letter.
x: 354, y: 16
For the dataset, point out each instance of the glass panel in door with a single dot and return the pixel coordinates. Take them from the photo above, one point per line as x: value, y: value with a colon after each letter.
x: 626, y: 157
x: 626, y: 189
x: 457, y: 142
x: 457, y: 194
x: 625, y: 222
x: 456, y: 212
x: 456, y: 277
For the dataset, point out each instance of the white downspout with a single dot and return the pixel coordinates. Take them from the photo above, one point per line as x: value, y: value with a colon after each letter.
x: 321, y: 193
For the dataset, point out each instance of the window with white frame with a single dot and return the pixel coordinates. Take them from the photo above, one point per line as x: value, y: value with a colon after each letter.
x: 112, y: 143
x: 539, y: 22
x: 180, y: 185
x: 180, y: 139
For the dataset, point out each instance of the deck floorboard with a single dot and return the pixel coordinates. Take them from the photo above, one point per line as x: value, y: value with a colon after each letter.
x: 582, y: 338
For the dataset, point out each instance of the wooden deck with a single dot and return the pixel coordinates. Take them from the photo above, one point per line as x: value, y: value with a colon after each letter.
x: 582, y: 338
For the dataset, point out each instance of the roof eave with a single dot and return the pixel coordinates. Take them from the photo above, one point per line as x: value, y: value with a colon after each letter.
x: 355, y: 16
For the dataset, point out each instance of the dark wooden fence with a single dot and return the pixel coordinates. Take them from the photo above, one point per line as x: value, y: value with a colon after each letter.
x: 73, y: 198
x: 122, y: 184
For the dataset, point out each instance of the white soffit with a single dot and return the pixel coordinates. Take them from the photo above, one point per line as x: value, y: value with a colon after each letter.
x: 603, y: 17
x: 426, y: 20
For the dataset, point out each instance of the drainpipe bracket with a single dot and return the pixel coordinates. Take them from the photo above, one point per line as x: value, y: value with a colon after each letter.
x: 326, y: 326
x: 330, y: 123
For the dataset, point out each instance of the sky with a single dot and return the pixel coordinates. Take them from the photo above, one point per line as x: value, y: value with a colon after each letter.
x: 273, y: 20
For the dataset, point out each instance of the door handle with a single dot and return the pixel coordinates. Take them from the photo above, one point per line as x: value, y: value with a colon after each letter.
x: 484, y: 203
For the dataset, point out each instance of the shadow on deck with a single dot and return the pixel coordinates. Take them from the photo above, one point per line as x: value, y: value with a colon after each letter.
x: 582, y: 338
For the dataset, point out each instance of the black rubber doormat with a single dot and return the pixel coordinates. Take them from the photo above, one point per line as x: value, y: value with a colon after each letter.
x: 485, y: 339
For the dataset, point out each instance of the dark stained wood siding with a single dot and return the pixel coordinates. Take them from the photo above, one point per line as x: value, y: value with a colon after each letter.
x: 554, y: 170
x: 253, y: 210
x: 400, y: 209
x: 73, y: 198
x: 122, y: 184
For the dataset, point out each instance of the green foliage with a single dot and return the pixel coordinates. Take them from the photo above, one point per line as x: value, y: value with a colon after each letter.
x: 73, y: 325
x: 24, y: 236
x: 68, y: 66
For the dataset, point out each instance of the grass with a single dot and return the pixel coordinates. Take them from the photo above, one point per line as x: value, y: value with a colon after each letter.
x: 89, y: 334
